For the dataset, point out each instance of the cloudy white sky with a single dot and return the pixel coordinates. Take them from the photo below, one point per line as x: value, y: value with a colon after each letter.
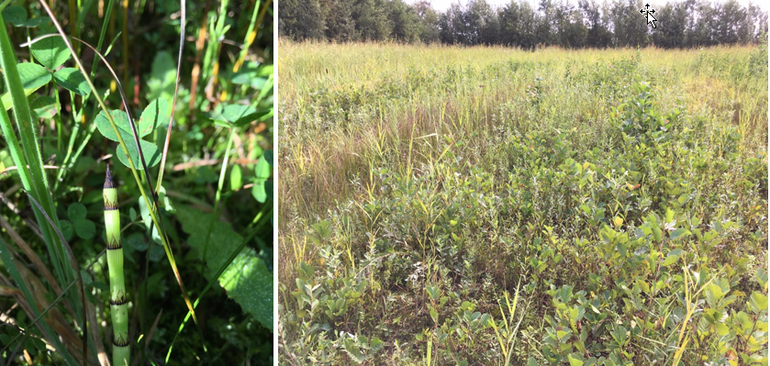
x: 443, y: 5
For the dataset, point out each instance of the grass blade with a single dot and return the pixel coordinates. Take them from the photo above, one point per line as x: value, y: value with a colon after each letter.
x: 10, y: 265
x: 176, y: 91
x: 28, y: 159
x: 74, y: 264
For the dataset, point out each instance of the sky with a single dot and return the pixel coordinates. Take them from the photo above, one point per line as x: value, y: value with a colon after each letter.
x: 443, y: 5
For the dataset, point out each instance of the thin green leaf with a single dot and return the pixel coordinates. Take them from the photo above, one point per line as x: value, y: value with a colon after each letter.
x: 10, y: 266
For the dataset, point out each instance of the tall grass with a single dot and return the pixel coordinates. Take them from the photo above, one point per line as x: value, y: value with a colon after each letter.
x: 367, y: 108
x: 421, y: 183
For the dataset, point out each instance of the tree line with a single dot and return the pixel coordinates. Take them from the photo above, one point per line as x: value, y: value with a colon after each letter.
x: 616, y: 23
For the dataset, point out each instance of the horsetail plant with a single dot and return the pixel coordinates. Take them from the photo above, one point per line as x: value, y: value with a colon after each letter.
x: 118, y: 299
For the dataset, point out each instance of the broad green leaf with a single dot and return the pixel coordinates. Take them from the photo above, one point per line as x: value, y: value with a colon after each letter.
x: 246, y: 280
x: 45, y: 107
x: 67, y: 230
x: 432, y: 291
x: 136, y: 242
x: 87, y: 279
x: 713, y: 294
x: 154, y: 115
x: 72, y: 79
x: 236, y: 179
x: 121, y: 121
x: 762, y: 276
x: 376, y: 344
x: 353, y: 351
x: 76, y: 212
x: 262, y: 173
x: 34, y: 22
x: 672, y: 257
x: 265, y: 70
x: 238, y: 113
x: 757, y: 302
x: 249, y: 79
x: 269, y: 189
x: 250, y: 72
x: 33, y: 76
x: 574, y: 361
x: 260, y: 115
x: 51, y: 52
x: 150, y: 151
x: 156, y: 253
x: 204, y: 175
x: 679, y: 233
x: 85, y: 229
x: 162, y: 77
x: 16, y: 15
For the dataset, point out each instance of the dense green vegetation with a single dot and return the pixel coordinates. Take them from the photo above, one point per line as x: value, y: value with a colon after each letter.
x: 509, y: 207
x: 616, y: 23
x: 190, y: 152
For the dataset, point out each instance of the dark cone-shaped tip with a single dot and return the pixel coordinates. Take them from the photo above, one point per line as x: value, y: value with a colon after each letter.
x: 108, y: 183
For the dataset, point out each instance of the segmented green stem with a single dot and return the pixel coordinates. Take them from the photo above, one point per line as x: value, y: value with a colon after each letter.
x: 118, y: 299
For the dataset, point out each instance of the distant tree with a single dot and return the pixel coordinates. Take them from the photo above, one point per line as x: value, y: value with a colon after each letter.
x: 404, y: 20
x: 546, y: 26
x: 571, y: 32
x: 759, y: 20
x: 610, y: 23
x: 598, y: 34
x: 428, y: 29
x: 490, y: 30
x: 629, y: 29
x: 699, y: 24
x: 371, y: 19
x: 301, y: 19
x: 452, y: 25
x: 518, y: 22
x: 671, y: 26
x: 732, y: 18
x: 480, y: 22
x: 340, y: 25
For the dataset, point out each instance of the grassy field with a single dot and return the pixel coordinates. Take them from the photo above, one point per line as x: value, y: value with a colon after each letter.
x: 486, y: 206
